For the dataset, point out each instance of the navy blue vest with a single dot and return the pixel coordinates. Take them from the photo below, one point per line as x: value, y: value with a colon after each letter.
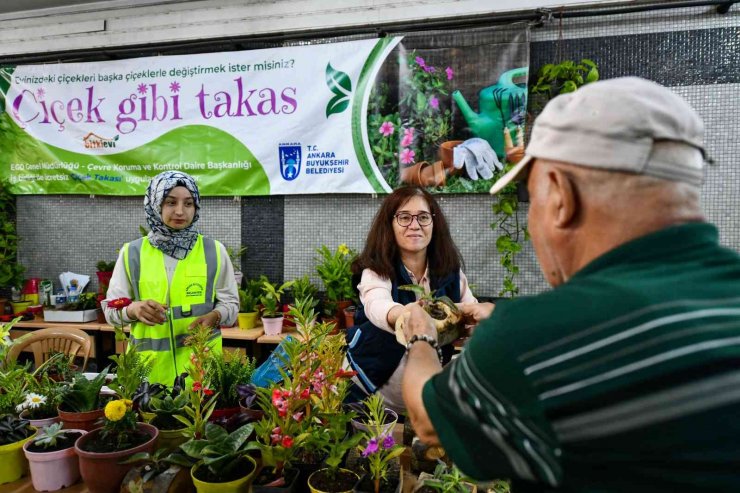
x: 375, y: 353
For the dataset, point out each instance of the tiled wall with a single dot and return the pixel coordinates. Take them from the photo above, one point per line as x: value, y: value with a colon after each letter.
x: 694, y: 51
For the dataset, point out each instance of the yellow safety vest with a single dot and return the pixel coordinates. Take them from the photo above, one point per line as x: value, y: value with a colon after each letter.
x: 190, y: 294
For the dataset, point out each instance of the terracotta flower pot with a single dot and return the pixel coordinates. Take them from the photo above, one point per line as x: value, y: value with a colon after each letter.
x: 349, y: 316
x: 341, y: 305
x: 446, y: 154
x: 425, y: 174
x: 273, y: 325
x: 13, y: 463
x: 51, y: 471
x: 102, y: 472
x: 80, y: 421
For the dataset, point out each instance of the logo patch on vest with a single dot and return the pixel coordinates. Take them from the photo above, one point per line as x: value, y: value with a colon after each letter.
x: 194, y: 290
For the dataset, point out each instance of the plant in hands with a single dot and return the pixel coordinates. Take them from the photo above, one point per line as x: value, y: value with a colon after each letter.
x: 131, y: 367
x: 380, y: 447
x: 334, y: 269
x: 446, y: 316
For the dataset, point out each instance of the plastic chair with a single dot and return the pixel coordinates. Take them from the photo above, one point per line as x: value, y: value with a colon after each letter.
x: 43, y: 341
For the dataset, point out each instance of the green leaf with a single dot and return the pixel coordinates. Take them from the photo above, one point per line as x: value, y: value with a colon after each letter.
x: 569, y: 86
x: 593, y: 75
x: 336, y: 105
x: 339, y: 82
x: 421, y: 102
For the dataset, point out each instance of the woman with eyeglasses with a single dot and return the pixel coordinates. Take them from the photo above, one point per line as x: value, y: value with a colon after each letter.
x: 409, y: 243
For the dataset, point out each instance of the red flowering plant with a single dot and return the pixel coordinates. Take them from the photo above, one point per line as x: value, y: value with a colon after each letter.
x: 131, y: 367
x: 201, y: 396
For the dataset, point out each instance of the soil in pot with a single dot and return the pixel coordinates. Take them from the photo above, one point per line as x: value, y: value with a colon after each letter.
x: 343, y: 480
x: 107, y: 445
x: 64, y: 442
x: 242, y: 469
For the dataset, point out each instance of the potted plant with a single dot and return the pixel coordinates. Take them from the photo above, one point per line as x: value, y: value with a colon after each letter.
x: 102, y: 450
x: 379, y: 449
x: 368, y: 412
x: 448, y: 319
x: 221, y: 463
x: 155, y: 473
x: 272, y: 316
x: 59, y: 366
x: 14, y: 433
x: 248, y: 401
x: 166, y: 410
x: 104, y: 273
x: 235, y: 255
x: 337, y: 443
x: 52, y: 458
x: 81, y: 407
x: 227, y: 370
x: 40, y: 407
x: 247, y: 309
x: 450, y: 480
x: 334, y: 269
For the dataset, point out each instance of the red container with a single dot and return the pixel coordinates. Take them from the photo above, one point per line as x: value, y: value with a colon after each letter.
x: 31, y: 286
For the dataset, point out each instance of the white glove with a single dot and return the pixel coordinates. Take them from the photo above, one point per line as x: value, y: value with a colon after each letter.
x: 478, y: 157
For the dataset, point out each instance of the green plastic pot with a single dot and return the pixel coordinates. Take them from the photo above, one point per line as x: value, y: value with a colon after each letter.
x: 13, y: 464
x: 241, y: 485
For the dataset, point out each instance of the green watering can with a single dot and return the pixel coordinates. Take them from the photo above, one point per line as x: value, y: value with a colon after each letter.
x: 502, y: 104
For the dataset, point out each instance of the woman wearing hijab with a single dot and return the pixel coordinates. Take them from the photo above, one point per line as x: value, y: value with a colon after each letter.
x: 176, y: 278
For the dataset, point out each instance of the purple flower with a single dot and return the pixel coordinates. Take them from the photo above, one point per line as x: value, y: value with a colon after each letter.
x: 429, y: 69
x: 450, y: 73
x: 142, y: 89
x: 420, y: 62
x: 407, y: 156
x: 388, y: 442
x: 386, y: 129
x: 372, y: 447
x: 434, y: 102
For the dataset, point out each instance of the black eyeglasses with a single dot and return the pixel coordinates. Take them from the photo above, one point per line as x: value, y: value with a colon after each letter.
x: 405, y: 219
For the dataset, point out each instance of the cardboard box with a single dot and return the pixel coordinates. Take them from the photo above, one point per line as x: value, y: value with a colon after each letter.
x: 70, y: 316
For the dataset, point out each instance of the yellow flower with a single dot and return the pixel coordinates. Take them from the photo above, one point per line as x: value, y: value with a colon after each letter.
x: 343, y: 249
x: 115, y: 410
x: 129, y: 403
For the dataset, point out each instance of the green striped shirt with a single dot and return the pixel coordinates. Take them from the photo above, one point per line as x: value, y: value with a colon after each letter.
x: 624, y: 379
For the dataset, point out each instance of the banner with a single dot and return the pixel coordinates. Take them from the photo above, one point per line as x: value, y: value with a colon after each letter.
x: 352, y: 117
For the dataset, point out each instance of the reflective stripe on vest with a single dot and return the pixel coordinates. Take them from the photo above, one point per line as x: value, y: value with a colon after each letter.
x: 189, y: 295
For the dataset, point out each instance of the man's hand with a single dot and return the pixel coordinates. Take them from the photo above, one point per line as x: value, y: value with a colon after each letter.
x: 210, y: 319
x: 475, y: 312
x: 148, y: 312
x: 417, y: 321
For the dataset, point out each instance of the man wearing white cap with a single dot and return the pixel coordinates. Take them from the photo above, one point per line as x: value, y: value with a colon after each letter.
x: 626, y: 376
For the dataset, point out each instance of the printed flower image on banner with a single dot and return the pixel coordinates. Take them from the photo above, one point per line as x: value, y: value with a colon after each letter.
x: 447, y: 109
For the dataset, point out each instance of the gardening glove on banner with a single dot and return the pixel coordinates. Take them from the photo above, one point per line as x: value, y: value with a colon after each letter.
x: 478, y: 157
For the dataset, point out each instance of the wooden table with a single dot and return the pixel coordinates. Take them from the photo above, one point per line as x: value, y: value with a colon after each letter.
x: 104, y: 343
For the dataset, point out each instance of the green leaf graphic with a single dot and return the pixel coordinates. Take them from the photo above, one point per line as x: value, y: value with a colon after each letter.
x: 340, y: 85
x: 5, y: 73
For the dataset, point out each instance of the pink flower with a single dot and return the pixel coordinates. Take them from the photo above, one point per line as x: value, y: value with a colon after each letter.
x: 407, y: 156
x: 298, y: 416
x: 408, y: 137
x: 386, y: 129
x: 287, y: 442
x: 420, y: 62
x: 450, y: 73
x: 434, y: 102
x: 305, y: 394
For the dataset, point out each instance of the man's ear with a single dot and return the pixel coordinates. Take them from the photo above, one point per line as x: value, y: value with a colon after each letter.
x: 563, y: 198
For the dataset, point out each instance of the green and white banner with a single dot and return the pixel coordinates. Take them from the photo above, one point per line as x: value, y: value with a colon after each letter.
x: 351, y: 117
